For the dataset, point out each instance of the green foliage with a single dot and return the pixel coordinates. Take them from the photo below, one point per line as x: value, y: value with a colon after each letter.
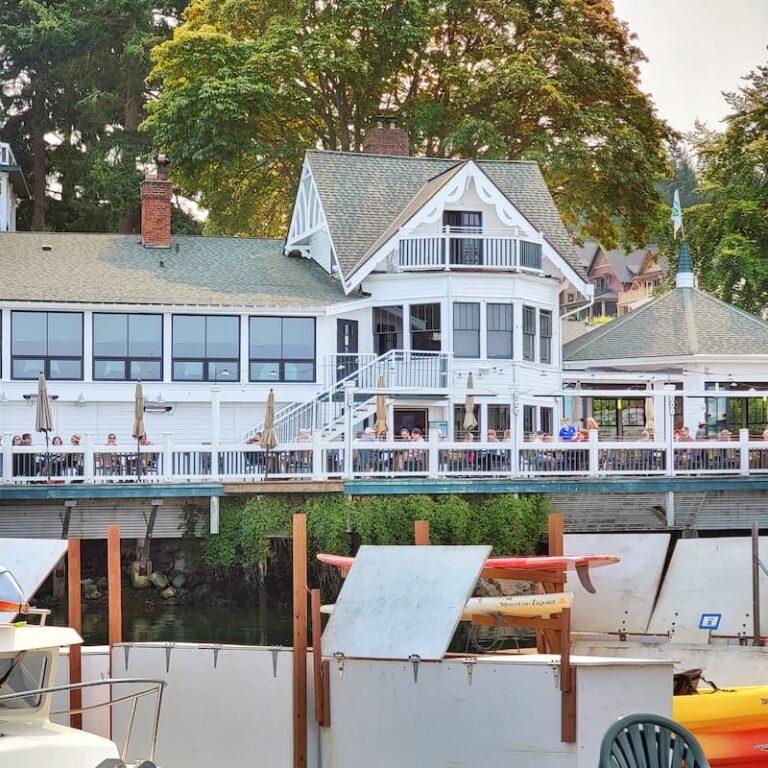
x: 728, y: 233
x: 336, y: 523
x: 246, y: 86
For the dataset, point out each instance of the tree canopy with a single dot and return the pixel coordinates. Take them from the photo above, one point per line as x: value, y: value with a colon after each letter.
x: 729, y: 231
x: 72, y: 95
x: 245, y: 86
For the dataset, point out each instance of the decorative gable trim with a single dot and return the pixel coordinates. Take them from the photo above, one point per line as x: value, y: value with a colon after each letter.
x: 451, y: 192
x: 308, y: 217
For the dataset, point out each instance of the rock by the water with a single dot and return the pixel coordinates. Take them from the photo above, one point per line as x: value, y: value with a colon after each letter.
x: 159, y: 579
x: 89, y: 590
x: 178, y: 580
x: 168, y: 593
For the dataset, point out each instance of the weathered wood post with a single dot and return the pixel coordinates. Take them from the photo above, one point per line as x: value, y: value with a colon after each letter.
x: 74, y: 621
x: 299, y: 641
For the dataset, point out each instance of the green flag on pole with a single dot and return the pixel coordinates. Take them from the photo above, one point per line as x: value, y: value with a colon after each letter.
x: 677, y: 214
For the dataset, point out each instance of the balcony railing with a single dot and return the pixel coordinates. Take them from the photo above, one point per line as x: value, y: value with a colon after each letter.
x: 464, y: 248
x: 636, y: 294
x: 322, y: 458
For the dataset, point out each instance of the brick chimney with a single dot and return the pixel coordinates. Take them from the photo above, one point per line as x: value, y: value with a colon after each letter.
x: 383, y: 140
x: 156, y: 192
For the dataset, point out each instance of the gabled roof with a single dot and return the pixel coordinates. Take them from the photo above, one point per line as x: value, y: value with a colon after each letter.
x: 680, y: 323
x: 220, y: 271
x: 624, y: 264
x: 364, y: 195
x: 585, y: 253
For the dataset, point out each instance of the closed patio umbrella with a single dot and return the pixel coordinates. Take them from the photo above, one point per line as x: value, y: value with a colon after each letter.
x: 44, y: 417
x: 650, y: 416
x: 381, y: 425
x: 138, y: 423
x: 268, y: 436
x: 470, y: 422
x: 576, y: 416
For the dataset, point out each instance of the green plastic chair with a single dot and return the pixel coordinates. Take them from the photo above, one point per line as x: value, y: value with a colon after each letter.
x: 650, y: 741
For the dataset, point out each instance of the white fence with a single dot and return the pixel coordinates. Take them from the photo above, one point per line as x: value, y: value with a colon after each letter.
x: 323, y: 458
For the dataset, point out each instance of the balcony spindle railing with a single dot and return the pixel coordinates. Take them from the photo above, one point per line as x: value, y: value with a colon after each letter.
x: 323, y: 458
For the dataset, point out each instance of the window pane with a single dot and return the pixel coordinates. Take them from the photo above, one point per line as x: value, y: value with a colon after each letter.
x: 65, y: 333
x: 27, y: 369
x: 265, y: 371
x: 499, y: 419
x: 500, y: 330
x: 29, y: 331
x: 299, y: 371
x: 65, y: 369
x: 298, y: 338
x: 188, y: 337
x: 147, y: 370
x: 387, y: 329
x: 466, y: 329
x: 190, y: 371
x: 109, y: 369
x: 265, y: 335
x: 110, y: 335
x: 145, y: 336
x: 222, y: 372
x: 223, y: 337
x: 425, y: 327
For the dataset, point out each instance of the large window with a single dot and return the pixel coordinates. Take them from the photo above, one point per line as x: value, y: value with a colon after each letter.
x: 282, y: 349
x: 51, y: 342
x: 529, y: 333
x: 459, y: 432
x: 127, y: 347
x: 464, y: 251
x: 387, y: 329
x: 499, y: 419
x: 206, y: 348
x: 425, y: 327
x: 500, y: 330
x: 545, y: 336
x: 622, y: 417
x: 466, y: 330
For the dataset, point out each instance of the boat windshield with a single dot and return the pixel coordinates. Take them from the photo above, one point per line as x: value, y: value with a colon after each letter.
x: 26, y: 671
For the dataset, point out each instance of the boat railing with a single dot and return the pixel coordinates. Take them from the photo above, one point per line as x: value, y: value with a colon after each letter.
x: 155, y: 689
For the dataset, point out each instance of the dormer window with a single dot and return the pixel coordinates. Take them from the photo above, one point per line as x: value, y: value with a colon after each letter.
x: 466, y: 251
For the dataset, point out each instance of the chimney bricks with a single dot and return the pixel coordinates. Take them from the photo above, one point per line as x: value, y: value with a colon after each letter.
x: 156, y: 192
x: 386, y: 141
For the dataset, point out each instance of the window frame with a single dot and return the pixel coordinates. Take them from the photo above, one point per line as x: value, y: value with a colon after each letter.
x: 475, y: 305
x: 282, y: 360
x: 489, y: 330
x: 128, y: 359
x: 529, y: 337
x: 431, y: 330
x: 545, y: 339
x: 206, y: 361
x: 47, y: 358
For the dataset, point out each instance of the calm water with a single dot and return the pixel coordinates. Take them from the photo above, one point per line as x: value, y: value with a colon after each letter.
x: 244, y: 625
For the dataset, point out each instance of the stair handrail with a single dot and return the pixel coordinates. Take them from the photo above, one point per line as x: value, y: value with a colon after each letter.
x: 329, y: 392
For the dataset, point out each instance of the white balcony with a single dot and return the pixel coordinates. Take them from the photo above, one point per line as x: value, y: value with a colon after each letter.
x: 463, y: 248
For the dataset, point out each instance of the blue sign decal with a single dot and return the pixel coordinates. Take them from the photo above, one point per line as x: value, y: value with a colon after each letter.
x: 710, y: 620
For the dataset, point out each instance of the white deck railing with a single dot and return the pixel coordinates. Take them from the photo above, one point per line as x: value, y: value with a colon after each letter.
x: 323, y: 459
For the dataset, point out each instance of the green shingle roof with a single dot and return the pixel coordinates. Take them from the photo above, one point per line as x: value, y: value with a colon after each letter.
x: 362, y: 195
x: 216, y: 271
x: 681, y: 323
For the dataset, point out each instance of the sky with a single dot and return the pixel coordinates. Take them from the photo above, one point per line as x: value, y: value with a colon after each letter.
x: 696, y: 50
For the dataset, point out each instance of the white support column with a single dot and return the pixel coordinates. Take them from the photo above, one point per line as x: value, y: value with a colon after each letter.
x: 215, y: 429
x: 743, y: 451
x: 318, y: 469
x: 349, y: 435
x: 406, y: 327
x: 88, y: 458
x: 670, y: 509
x: 7, y: 457
x: 433, y: 466
x: 594, y: 454
x: 214, y: 515
x: 669, y: 427
x: 88, y: 346
x: 167, y: 457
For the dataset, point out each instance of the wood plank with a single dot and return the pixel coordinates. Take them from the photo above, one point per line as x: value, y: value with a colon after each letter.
x: 555, y: 527
x: 114, y: 586
x: 285, y: 486
x: 299, y: 641
x: 568, y: 712
x: 74, y: 621
x: 421, y: 532
x: 317, y: 655
x: 523, y: 574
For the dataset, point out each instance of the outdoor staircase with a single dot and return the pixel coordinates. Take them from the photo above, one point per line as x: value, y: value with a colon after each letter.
x: 325, y: 414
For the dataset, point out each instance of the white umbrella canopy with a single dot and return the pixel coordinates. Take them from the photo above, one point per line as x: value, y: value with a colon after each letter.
x: 43, y: 416
x: 470, y: 422
x: 268, y: 436
x: 650, y: 416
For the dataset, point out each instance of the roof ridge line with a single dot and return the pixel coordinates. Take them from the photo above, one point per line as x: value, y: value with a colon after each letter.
x: 690, y: 322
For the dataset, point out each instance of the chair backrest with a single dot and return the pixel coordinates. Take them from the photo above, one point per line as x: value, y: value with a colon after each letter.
x: 650, y: 741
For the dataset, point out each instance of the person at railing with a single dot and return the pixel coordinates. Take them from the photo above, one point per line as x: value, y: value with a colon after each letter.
x: 58, y: 461
x: 683, y: 459
x: 567, y: 430
x: 20, y: 460
x: 494, y: 459
x: 591, y: 424
x: 254, y: 460
x: 74, y: 460
x: 469, y: 457
x: 507, y: 436
x: 109, y: 463
x: 364, y: 459
x: 301, y: 461
x: 417, y: 456
x: 701, y: 432
x: 401, y: 458
x: 148, y: 460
